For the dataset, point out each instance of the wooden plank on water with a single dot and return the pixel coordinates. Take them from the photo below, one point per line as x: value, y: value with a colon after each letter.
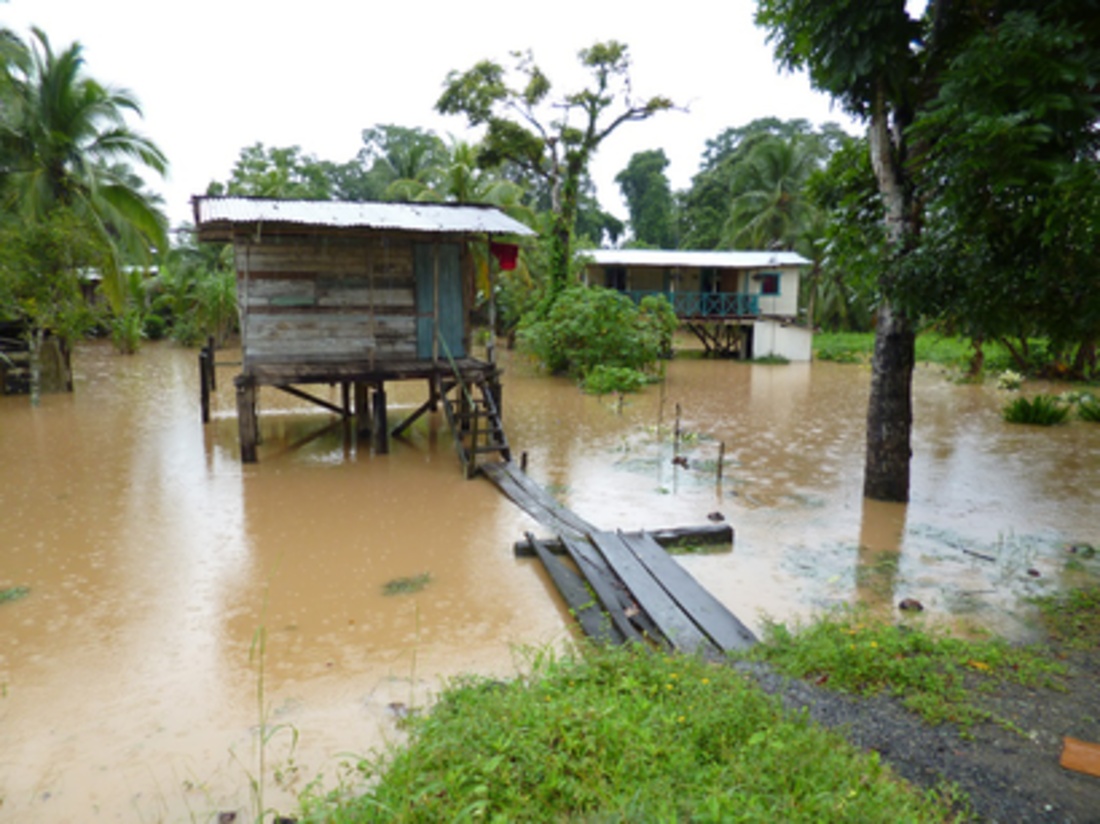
x: 670, y: 537
x: 599, y: 578
x: 535, y: 500
x: 580, y: 599
x: 710, y: 614
x: 676, y: 626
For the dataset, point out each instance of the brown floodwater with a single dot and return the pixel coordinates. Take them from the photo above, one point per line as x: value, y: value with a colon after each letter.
x: 160, y: 568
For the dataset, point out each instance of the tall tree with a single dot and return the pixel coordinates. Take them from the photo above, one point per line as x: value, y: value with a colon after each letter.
x: 283, y: 172
x: 64, y: 143
x: 648, y: 196
x: 552, y: 139
x: 907, y: 78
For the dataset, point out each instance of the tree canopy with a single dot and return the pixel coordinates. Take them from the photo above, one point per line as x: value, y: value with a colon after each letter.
x: 552, y: 138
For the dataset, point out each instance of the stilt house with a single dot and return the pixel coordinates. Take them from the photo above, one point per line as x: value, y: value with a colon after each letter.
x: 738, y: 303
x: 360, y: 294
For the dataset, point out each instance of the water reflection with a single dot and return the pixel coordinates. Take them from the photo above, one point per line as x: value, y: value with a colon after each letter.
x: 154, y: 557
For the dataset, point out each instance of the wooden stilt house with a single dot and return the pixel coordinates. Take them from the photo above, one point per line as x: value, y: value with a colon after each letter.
x: 361, y: 294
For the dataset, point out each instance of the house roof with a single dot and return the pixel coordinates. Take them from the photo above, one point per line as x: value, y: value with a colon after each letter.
x: 215, y: 217
x: 686, y: 259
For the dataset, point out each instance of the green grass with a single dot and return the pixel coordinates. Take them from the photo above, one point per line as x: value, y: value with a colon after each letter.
x: 1073, y: 618
x: 1088, y: 409
x: 931, y: 347
x: 1041, y: 410
x: 932, y: 673
x: 619, y: 735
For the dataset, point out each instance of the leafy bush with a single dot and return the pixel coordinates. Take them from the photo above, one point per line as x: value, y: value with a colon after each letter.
x: 1088, y: 409
x: 603, y: 380
x: 1042, y: 410
x: 591, y: 326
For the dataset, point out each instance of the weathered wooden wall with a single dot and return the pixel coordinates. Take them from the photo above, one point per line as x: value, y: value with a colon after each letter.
x: 326, y: 299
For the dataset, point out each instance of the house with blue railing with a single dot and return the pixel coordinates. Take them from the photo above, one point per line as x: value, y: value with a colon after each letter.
x: 737, y: 303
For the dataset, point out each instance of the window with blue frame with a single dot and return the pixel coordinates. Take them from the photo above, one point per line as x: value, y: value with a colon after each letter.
x: 769, y: 282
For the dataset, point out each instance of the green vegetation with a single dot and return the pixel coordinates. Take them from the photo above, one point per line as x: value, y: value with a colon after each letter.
x: 13, y: 594
x: 408, y: 584
x: 1073, y: 618
x: 1088, y: 409
x: 603, y: 380
x: 619, y: 735
x: 590, y: 327
x: 932, y: 673
x: 1042, y: 410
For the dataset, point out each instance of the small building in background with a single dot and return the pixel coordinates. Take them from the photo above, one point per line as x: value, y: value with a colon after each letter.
x: 738, y: 303
x: 358, y: 295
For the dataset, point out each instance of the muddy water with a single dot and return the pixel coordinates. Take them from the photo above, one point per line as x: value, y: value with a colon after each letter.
x: 162, y: 573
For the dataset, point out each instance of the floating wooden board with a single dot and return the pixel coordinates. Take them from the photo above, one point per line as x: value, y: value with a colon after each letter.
x: 651, y: 596
x: 1080, y: 756
x: 580, y: 599
x: 704, y: 534
x: 706, y: 611
x: 534, y: 500
x: 593, y: 568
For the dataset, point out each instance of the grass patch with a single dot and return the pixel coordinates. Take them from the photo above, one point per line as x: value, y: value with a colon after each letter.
x: 620, y: 735
x: 1042, y: 410
x: 1088, y: 409
x: 844, y: 347
x: 404, y: 586
x: 931, y: 347
x: 932, y: 673
x: 14, y: 594
x: 1073, y: 618
x: 689, y: 548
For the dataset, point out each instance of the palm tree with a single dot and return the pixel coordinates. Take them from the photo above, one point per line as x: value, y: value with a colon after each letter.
x: 768, y: 209
x: 64, y: 143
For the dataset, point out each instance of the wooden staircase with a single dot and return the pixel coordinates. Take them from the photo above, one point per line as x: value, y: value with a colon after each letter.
x: 473, y: 414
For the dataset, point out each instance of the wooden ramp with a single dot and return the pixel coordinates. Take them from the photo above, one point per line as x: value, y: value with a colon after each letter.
x: 623, y: 586
x: 626, y: 587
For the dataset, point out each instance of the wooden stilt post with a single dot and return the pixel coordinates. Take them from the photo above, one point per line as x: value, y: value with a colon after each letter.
x: 380, y: 431
x: 204, y: 387
x: 247, y: 424
x: 362, y: 409
x: 210, y: 364
x: 345, y: 398
x: 721, y: 460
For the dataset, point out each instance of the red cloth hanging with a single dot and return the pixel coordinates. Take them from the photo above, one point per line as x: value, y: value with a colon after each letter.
x: 506, y: 254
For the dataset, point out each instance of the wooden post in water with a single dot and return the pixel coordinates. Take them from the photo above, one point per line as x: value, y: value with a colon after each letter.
x: 523, y: 461
x: 721, y: 460
x: 362, y: 409
x: 676, y: 431
x: 210, y: 363
x: 247, y: 425
x: 380, y: 432
x: 204, y: 387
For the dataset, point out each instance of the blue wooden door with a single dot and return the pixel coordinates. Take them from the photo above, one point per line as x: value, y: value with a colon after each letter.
x: 439, y: 275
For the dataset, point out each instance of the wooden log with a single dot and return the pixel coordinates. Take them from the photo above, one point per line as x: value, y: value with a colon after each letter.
x: 581, y: 601
x: 704, y: 535
x: 380, y: 433
x: 305, y: 396
x: 247, y: 424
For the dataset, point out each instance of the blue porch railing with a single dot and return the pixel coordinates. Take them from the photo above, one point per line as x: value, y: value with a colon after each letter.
x: 706, y: 304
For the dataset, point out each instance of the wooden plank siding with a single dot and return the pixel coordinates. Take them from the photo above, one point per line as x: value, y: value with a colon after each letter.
x: 323, y: 298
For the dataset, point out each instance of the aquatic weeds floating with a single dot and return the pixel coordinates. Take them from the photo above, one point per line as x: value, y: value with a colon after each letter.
x: 406, y: 585
x: 14, y: 593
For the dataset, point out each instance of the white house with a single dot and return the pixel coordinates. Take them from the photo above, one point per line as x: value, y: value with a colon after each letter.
x: 738, y: 303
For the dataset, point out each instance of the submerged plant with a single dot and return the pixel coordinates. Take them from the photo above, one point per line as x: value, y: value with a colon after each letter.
x: 1088, y: 409
x: 603, y: 380
x: 1042, y: 410
x: 1009, y: 380
x: 408, y: 584
x: 13, y: 593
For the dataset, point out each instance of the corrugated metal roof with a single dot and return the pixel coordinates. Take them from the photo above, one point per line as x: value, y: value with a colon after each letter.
x: 734, y: 259
x: 436, y: 218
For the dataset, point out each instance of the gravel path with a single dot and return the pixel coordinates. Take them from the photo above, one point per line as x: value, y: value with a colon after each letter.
x: 1008, y: 777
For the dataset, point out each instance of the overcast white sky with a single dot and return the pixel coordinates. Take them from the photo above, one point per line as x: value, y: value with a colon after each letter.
x: 214, y: 76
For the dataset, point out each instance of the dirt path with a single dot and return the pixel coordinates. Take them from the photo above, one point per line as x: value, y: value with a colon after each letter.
x: 1009, y: 777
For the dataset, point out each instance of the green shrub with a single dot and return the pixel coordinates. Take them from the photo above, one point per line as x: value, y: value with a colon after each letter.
x: 592, y: 326
x: 603, y: 380
x: 1042, y: 410
x: 1088, y: 409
